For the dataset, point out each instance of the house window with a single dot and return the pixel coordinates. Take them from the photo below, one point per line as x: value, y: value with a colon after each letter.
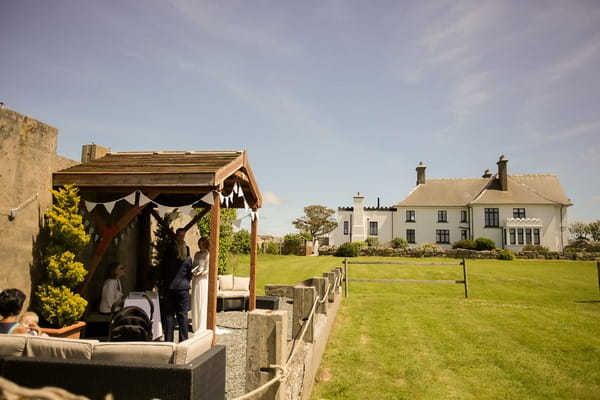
x: 410, y: 215
x: 463, y: 234
x: 518, y: 213
x: 442, y: 236
x: 520, y: 235
x: 373, y: 228
x: 463, y: 216
x: 492, y: 217
x: 536, y: 236
x: 442, y: 216
x: 528, y: 235
x: 512, y: 233
x: 346, y: 227
x: 410, y: 235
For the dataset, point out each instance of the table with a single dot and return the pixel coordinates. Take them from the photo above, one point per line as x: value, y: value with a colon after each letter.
x: 139, y: 300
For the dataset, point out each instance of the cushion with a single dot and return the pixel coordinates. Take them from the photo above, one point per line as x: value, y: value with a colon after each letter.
x: 190, y: 349
x: 233, y: 293
x: 225, y: 282
x: 60, y: 348
x: 240, y: 283
x: 12, y: 345
x: 135, y: 352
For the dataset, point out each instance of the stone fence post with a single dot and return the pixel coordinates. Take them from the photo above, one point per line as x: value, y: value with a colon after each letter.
x: 304, y: 297
x: 266, y: 346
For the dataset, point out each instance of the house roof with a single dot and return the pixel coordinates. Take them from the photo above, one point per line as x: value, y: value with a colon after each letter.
x: 178, y: 176
x: 522, y: 189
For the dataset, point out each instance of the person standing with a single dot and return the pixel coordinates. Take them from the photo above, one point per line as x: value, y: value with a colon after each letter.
x: 200, y: 286
x: 176, y: 275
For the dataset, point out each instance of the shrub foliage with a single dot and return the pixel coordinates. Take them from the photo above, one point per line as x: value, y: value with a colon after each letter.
x: 348, y: 250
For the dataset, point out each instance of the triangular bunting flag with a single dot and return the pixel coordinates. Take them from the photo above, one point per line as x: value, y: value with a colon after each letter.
x: 208, y: 198
x: 130, y: 198
x: 89, y: 205
x: 235, y: 188
x: 246, y: 206
x: 185, y: 210
x: 162, y: 209
x: 109, y: 206
x: 237, y: 223
x: 240, y: 192
x: 143, y: 199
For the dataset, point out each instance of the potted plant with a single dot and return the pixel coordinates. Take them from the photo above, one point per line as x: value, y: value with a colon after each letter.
x: 57, y: 304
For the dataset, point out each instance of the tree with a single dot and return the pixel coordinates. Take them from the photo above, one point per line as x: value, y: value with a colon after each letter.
x: 241, y: 242
x: 594, y: 230
x: 579, y: 229
x: 292, y: 243
x: 228, y: 215
x: 317, y: 221
x: 56, y: 303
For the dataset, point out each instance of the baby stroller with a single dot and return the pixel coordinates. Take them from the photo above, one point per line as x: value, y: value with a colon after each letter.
x: 131, y: 324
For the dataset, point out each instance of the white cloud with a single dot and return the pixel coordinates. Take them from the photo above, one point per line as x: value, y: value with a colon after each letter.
x: 272, y: 199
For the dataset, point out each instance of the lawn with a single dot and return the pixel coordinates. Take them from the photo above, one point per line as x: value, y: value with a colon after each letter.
x: 529, y: 330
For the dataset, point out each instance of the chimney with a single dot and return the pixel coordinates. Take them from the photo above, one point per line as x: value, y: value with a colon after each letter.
x: 502, y: 174
x: 378, y: 202
x: 92, y: 151
x: 486, y: 174
x: 421, y: 173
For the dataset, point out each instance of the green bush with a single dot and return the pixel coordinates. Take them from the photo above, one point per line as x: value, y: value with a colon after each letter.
x: 429, y: 246
x: 271, y: 248
x: 241, y: 242
x: 399, y: 243
x: 348, y: 250
x: 485, y: 244
x: 535, y: 247
x: 465, y: 244
x: 506, y: 255
x: 372, y: 241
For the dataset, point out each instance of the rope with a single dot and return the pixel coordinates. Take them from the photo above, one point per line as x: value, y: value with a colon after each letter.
x: 281, y: 372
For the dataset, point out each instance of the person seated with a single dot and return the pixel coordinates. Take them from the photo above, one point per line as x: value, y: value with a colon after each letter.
x: 30, y: 321
x: 11, y: 303
x: 112, y: 293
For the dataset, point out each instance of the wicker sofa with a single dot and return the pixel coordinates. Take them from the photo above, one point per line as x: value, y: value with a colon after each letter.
x: 233, y: 292
x: 129, y: 370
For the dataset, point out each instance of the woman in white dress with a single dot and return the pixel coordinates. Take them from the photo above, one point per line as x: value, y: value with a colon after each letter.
x: 112, y: 293
x: 200, y: 286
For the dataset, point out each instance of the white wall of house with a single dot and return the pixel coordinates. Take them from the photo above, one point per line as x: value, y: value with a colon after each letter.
x: 426, y: 224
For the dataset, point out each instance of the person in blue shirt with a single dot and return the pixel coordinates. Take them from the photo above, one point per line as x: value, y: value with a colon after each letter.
x: 176, y: 272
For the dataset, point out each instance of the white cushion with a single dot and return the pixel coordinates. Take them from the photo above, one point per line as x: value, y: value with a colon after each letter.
x: 240, y: 283
x: 233, y: 293
x: 225, y: 282
x: 60, y: 348
x: 190, y: 349
x: 135, y: 352
x: 12, y: 345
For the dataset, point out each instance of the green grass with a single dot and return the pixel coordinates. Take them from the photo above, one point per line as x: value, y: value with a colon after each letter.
x: 529, y: 330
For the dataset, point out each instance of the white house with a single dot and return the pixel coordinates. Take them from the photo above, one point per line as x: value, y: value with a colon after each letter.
x: 512, y: 210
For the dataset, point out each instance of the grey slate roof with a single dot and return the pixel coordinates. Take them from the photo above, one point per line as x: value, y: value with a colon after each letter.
x: 522, y: 189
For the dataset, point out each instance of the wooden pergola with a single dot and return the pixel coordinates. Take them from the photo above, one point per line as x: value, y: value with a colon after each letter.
x: 173, y: 178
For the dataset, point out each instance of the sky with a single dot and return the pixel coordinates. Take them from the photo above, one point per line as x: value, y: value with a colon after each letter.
x: 329, y: 97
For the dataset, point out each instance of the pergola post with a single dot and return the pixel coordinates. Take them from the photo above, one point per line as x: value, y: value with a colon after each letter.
x: 213, y: 264
x: 253, y: 250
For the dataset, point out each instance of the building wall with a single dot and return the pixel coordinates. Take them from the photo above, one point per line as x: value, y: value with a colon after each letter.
x: 28, y: 158
x: 426, y: 223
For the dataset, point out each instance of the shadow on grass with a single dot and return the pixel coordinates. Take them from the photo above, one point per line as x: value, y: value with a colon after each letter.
x: 587, y: 301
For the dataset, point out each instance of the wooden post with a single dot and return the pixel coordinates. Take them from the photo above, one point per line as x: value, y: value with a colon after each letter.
x: 213, y: 264
x: 304, y: 297
x: 266, y: 346
x: 253, y: 242
x: 466, y: 282
x: 598, y: 267
x: 320, y: 285
x: 346, y: 277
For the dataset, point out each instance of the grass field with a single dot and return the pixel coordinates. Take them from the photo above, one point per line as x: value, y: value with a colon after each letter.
x: 529, y: 330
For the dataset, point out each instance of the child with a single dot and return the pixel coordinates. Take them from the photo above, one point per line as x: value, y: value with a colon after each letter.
x: 30, y: 321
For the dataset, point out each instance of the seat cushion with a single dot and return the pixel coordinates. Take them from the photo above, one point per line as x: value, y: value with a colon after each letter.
x: 225, y: 282
x: 12, y: 345
x: 59, y: 348
x: 190, y: 349
x: 233, y: 293
x: 135, y: 352
x: 241, y: 283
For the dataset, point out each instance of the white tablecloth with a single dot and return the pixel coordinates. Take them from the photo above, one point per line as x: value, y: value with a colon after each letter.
x: 138, y: 299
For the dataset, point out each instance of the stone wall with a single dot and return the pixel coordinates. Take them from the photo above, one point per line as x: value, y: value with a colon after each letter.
x: 28, y: 158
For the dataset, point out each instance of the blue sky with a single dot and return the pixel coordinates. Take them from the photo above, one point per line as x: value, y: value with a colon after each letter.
x: 329, y: 97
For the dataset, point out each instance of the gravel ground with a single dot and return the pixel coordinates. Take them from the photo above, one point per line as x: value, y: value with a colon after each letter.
x: 231, y: 332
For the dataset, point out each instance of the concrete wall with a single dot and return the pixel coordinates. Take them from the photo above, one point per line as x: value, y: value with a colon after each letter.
x: 27, y: 160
